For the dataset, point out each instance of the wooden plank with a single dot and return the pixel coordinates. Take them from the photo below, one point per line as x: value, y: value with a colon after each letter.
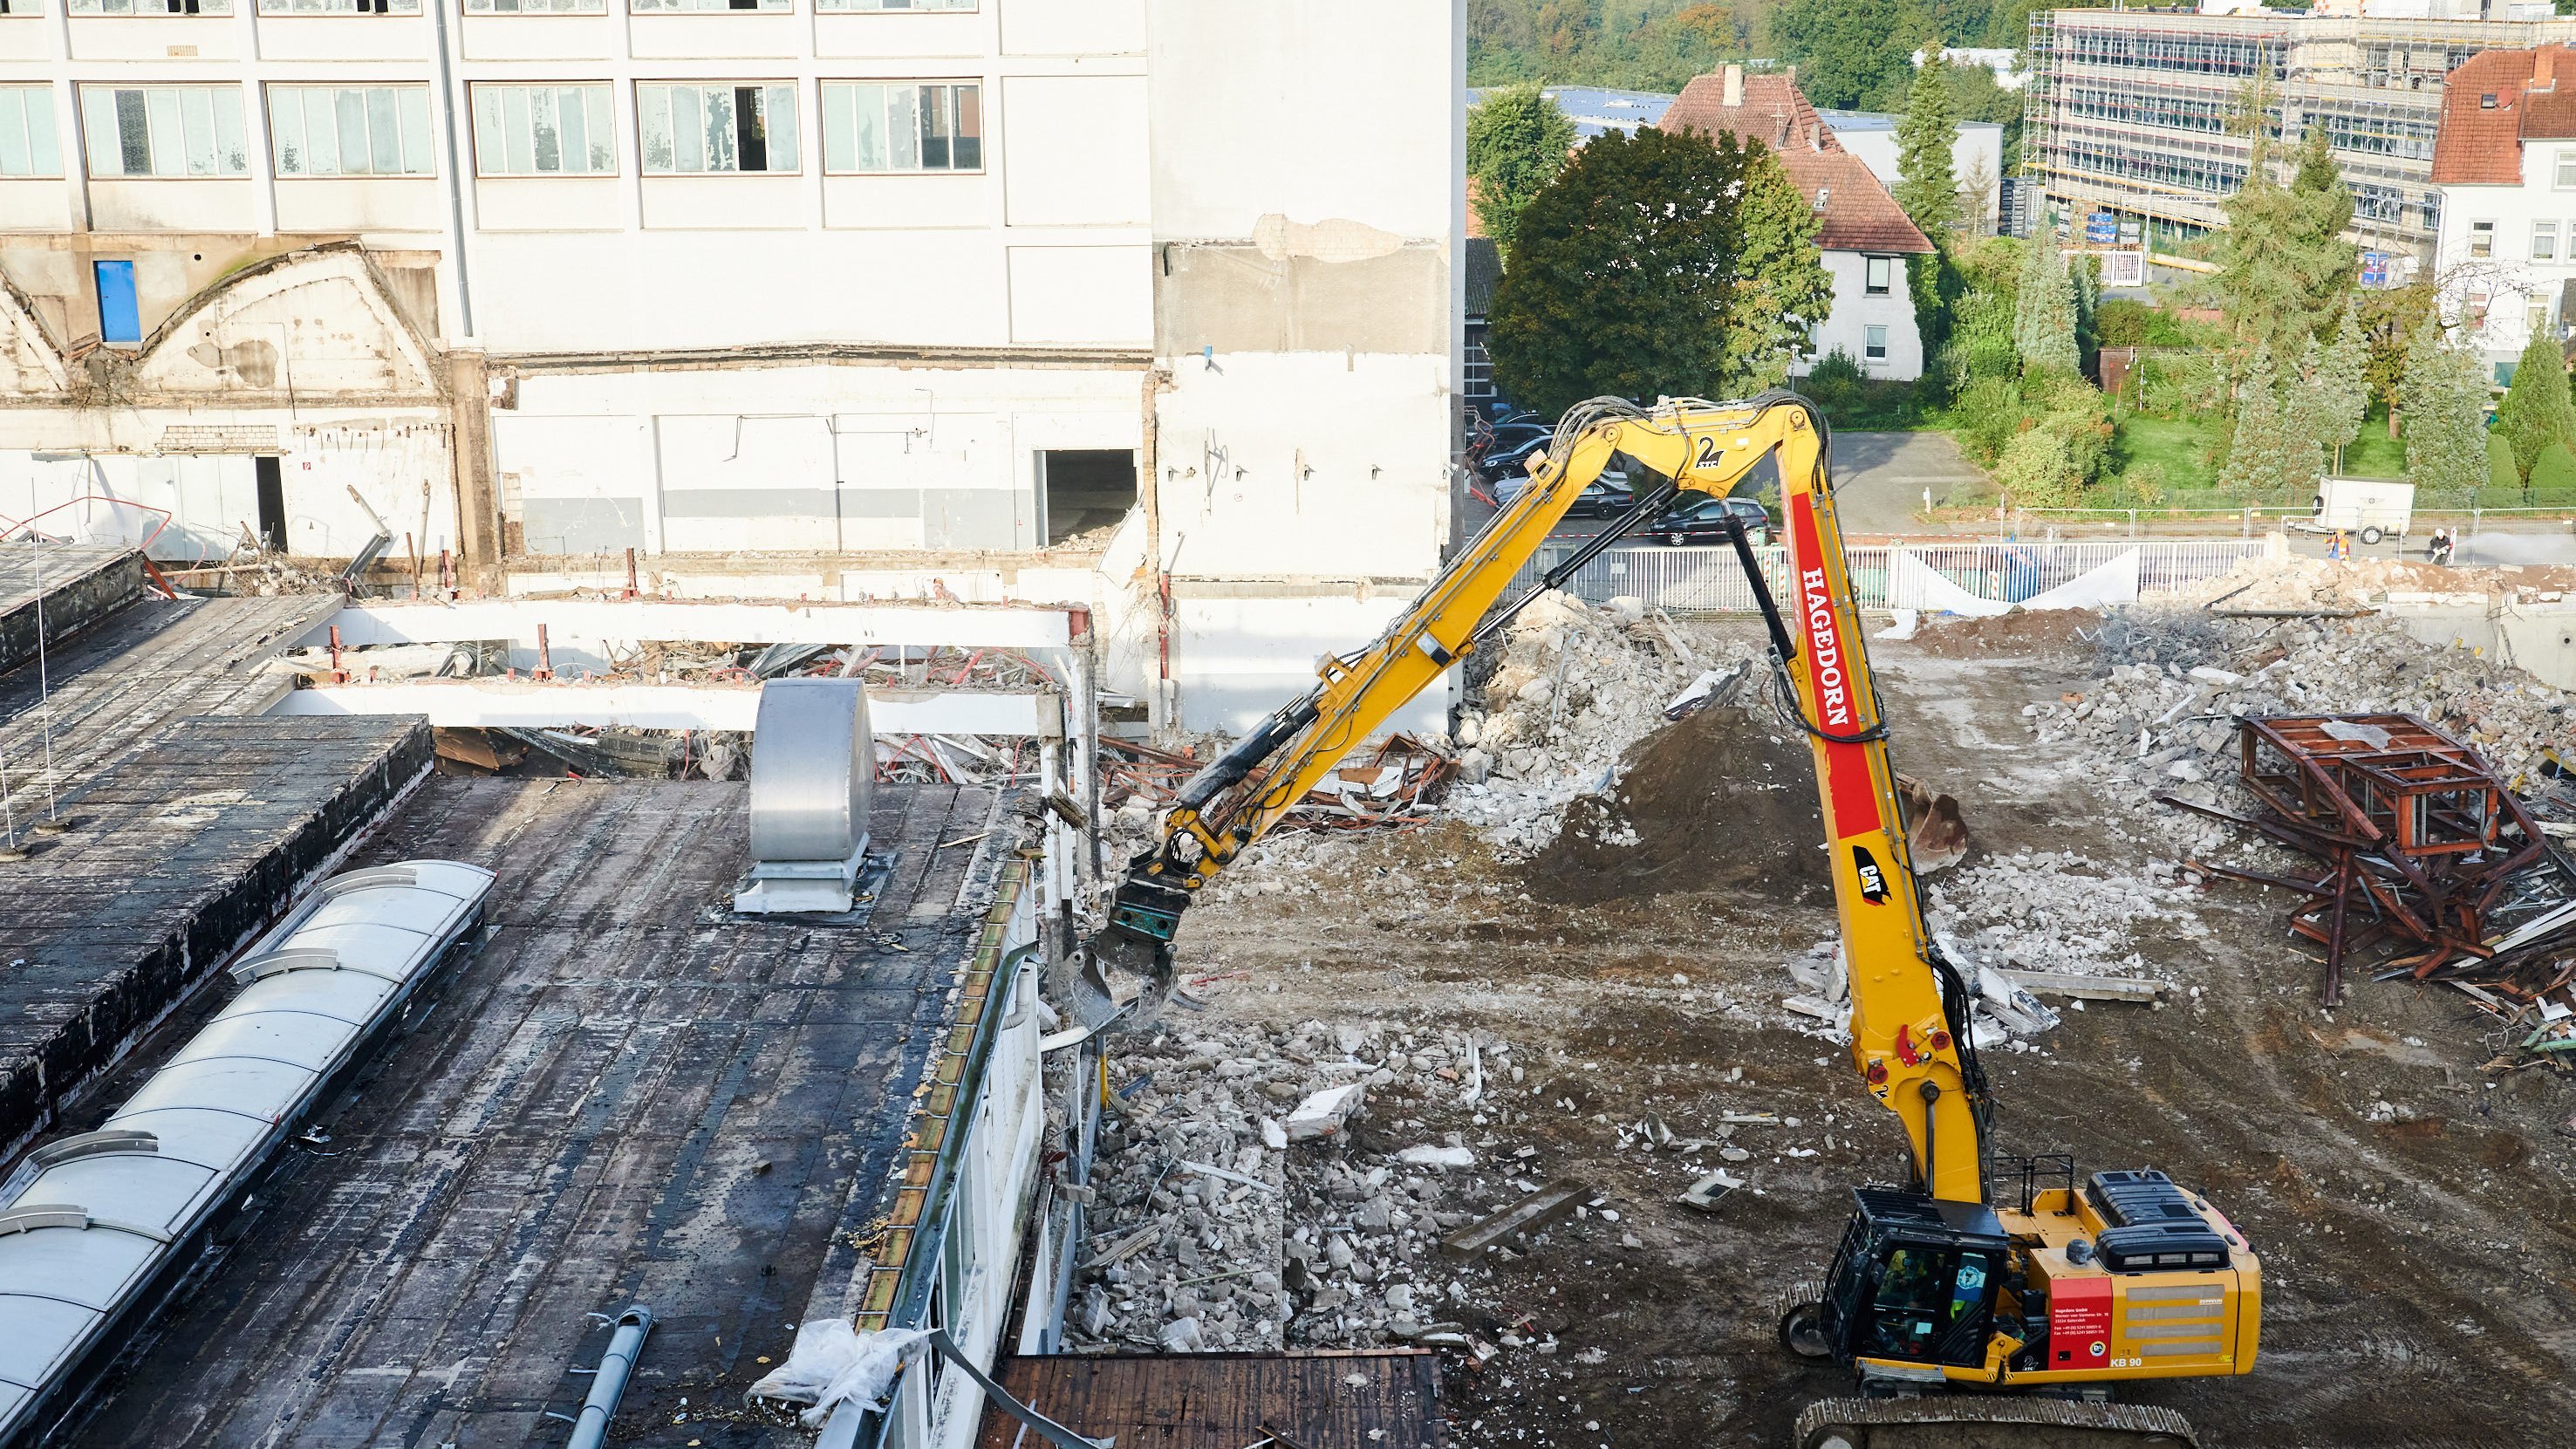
x: 1556, y: 1200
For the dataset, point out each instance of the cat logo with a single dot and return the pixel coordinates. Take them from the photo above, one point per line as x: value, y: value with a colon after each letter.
x: 1873, y: 885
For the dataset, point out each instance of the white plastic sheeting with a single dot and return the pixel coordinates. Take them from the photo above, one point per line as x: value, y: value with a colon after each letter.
x: 87, y: 1224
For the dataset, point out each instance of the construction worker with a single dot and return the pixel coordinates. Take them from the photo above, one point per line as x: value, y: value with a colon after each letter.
x: 2340, y: 546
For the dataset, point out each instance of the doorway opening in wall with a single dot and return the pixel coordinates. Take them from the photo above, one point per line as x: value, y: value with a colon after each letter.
x: 269, y: 474
x: 1084, y: 491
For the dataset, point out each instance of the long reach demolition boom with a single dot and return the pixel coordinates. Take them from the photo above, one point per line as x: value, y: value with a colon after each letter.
x: 1940, y: 1299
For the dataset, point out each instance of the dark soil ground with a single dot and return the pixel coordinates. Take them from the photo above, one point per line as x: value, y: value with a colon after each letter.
x: 2418, y: 1271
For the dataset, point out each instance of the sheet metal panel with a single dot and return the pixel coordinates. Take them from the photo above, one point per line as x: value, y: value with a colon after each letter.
x: 300, y: 1037
x: 201, y: 1135
x: 260, y: 1090
x: 813, y: 773
x: 32, y: 1351
x: 93, y: 1267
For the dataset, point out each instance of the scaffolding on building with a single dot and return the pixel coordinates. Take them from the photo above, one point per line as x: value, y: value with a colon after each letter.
x: 2141, y: 113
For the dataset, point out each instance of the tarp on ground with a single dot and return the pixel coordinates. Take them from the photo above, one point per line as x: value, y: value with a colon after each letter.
x: 1914, y: 584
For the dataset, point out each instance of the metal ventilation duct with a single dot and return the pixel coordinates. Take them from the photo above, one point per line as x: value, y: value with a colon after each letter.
x: 813, y: 777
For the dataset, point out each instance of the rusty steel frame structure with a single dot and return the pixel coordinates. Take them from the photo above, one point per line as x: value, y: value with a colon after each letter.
x: 2418, y: 836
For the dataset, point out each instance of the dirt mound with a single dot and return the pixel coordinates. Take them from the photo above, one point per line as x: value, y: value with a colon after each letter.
x: 2058, y: 632
x: 1724, y: 800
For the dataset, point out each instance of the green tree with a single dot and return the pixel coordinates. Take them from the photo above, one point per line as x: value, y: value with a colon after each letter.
x: 2337, y: 390
x: 1779, y: 288
x: 2284, y: 266
x: 2389, y: 319
x: 2044, y: 322
x: 2261, y: 445
x: 2536, y: 412
x: 2502, y: 476
x: 1649, y: 45
x: 2554, y: 472
x: 2444, y: 397
x: 1517, y: 141
x: 1658, y: 263
x: 1852, y: 54
x: 1926, y: 186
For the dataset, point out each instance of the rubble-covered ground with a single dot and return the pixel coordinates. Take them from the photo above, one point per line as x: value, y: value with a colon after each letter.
x: 1584, y: 971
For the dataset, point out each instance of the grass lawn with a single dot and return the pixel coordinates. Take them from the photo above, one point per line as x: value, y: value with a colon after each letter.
x: 2182, y: 447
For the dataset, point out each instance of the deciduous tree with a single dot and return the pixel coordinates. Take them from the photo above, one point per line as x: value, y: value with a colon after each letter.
x: 1658, y: 263
x: 1853, y: 54
x: 1517, y: 141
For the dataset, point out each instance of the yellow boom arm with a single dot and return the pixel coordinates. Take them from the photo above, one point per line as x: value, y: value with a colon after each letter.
x: 1909, y: 1009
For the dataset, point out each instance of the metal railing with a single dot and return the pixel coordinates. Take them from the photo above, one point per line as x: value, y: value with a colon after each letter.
x: 1697, y: 580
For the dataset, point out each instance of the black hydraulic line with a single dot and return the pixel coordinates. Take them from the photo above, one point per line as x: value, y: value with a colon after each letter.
x: 1781, y: 648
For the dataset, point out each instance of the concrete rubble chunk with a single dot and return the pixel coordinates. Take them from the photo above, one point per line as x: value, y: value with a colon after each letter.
x: 1323, y: 1112
x: 1437, y: 1157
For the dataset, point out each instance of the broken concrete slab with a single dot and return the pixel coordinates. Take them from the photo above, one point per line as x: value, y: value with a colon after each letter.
x: 1557, y: 1200
x: 1323, y: 1112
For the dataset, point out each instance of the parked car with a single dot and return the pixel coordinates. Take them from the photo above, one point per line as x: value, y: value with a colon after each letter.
x: 1703, y: 520
x: 1592, y: 504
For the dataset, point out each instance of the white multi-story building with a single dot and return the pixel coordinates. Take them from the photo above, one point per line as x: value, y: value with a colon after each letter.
x: 2505, y: 163
x: 1098, y: 301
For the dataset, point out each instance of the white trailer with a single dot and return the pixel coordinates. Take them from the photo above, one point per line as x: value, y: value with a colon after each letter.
x: 2368, y: 508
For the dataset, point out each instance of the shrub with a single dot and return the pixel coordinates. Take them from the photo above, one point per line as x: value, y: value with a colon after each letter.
x: 2122, y: 322
x: 2037, y: 470
x: 1835, y: 382
x: 1988, y: 413
x: 2501, y: 473
x: 2553, y: 471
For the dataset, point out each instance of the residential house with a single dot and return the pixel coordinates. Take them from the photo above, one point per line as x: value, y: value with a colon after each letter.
x: 1976, y: 159
x: 1864, y: 234
x: 2505, y: 162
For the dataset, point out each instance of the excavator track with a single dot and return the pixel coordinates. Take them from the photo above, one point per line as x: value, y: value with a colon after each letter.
x: 1968, y: 1421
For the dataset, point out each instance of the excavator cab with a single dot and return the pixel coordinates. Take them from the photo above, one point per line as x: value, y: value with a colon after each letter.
x: 1915, y: 1281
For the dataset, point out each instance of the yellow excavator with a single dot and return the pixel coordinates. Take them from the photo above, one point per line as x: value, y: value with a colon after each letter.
x: 1986, y: 1301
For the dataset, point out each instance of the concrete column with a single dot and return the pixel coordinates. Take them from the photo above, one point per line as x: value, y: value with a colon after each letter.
x: 478, y: 509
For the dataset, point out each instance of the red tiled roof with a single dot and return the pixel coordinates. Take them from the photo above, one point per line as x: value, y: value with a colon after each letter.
x: 2480, y: 143
x: 1772, y: 112
x: 1858, y: 214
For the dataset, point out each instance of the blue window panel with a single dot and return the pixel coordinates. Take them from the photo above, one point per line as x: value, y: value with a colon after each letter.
x: 118, y: 318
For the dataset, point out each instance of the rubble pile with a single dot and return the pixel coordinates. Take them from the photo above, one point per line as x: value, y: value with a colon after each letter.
x: 2166, y: 719
x: 2299, y: 582
x: 1237, y: 1207
x: 2060, y: 911
x: 1575, y: 686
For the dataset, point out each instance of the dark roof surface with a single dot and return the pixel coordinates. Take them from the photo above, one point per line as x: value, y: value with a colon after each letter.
x: 1484, y: 269
x: 1226, y: 1401
x: 2534, y: 95
x: 1858, y: 215
x: 628, y: 1094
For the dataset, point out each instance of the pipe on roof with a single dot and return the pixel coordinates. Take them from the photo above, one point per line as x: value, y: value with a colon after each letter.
x: 590, y: 1431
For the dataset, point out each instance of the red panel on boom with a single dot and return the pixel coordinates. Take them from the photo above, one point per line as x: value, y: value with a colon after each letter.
x: 1829, y: 676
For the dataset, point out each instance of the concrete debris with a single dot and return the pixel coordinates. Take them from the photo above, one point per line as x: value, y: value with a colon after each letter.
x: 2297, y: 582
x: 1573, y: 687
x: 1218, y: 1227
x: 1705, y: 1193
x: 1559, y: 1199
x: 1322, y: 1113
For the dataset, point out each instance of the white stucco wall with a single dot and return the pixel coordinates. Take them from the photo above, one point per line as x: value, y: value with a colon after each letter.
x: 2511, y: 280
x: 1855, y: 312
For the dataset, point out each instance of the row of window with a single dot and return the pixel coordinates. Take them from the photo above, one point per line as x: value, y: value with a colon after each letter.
x: 2545, y: 240
x: 684, y: 129
x: 481, y: 7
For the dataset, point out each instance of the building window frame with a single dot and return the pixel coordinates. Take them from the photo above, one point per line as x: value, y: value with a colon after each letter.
x: 1878, y: 275
x: 536, y: 7
x: 955, y: 111
x: 2482, y: 238
x: 145, y: 9
x: 164, y: 126
x: 2565, y: 177
x: 499, y: 127
x: 391, y: 121
x: 897, y: 7
x: 31, y: 143
x: 711, y: 7
x: 2544, y: 241
x: 781, y: 150
x: 1873, y: 343
x: 336, y: 9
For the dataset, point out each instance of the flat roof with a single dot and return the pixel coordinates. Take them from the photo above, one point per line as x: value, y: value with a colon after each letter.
x: 628, y: 1094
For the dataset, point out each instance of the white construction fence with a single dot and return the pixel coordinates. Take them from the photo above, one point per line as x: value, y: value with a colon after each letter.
x: 1954, y: 577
